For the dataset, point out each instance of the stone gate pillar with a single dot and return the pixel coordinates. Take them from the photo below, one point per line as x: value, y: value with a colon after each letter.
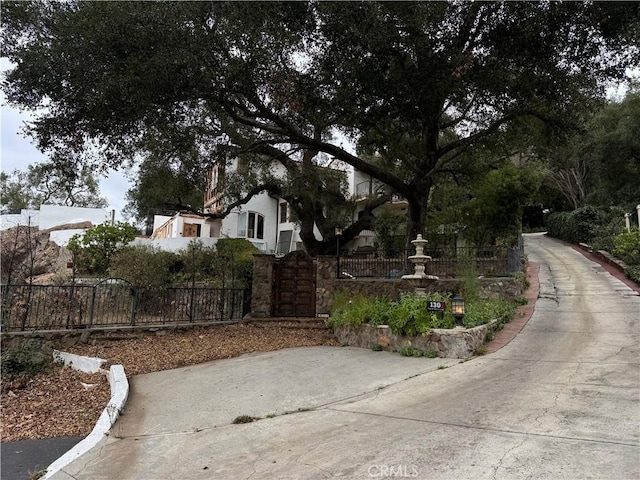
x: 326, y: 274
x: 261, y: 288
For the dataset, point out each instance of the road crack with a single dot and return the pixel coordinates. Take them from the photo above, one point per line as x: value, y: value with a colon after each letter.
x: 504, y: 456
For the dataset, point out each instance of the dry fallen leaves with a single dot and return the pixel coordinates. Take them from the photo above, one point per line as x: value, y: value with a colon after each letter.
x: 53, y: 404
x: 57, y: 404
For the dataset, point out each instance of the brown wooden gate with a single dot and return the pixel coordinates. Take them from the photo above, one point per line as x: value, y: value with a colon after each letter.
x: 294, y: 286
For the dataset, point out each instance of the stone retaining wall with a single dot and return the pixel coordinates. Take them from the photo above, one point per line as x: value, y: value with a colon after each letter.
x: 327, y: 284
x: 454, y: 343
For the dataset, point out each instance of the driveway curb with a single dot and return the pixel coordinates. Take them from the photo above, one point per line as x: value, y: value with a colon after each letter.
x: 119, y: 395
x: 523, y: 312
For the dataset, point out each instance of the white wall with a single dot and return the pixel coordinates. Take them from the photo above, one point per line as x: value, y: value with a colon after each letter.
x: 24, y: 218
x: 62, y: 237
x: 54, y: 215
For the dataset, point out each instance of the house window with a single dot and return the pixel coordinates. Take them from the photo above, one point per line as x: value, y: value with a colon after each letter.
x: 250, y: 225
x: 284, y: 212
x: 284, y: 242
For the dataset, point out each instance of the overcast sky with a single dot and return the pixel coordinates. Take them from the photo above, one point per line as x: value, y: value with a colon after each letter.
x: 17, y: 152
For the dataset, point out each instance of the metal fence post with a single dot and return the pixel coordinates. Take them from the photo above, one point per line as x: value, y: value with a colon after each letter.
x: 93, y: 303
x: 132, y: 292
x: 191, y: 306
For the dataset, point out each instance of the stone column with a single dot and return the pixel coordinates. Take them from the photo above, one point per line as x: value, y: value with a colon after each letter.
x: 326, y: 273
x: 261, y: 293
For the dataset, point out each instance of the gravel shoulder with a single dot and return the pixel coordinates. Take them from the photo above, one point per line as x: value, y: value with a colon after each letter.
x: 57, y: 404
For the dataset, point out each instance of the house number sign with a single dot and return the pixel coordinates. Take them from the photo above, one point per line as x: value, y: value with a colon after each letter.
x: 435, y: 306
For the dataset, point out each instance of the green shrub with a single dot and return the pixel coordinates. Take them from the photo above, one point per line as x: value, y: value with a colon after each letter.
x: 627, y: 246
x: 589, y: 225
x: 93, y: 250
x: 145, y: 266
x: 197, y: 263
x: 235, y: 258
x: 409, y: 316
x: 228, y: 264
x: 611, y: 223
x: 468, y: 275
x: 480, y: 312
x: 355, y: 310
x: 633, y: 273
x: 26, y: 360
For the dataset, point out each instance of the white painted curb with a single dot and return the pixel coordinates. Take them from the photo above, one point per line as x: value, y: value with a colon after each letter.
x: 119, y: 394
x: 77, y: 362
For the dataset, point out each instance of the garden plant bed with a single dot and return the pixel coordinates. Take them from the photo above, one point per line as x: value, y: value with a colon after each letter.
x: 448, y: 343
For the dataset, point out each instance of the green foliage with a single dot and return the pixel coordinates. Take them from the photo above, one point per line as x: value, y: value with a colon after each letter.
x: 164, y: 185
x: 235, y: 257
x: 468, y: 275
x: 27, y: 360
x: 93, y: 250
x: 480, y: 311
x: 390, y: 226
x: 599, y: 227
x: 410, y: 351
x: 188, y: 74
x: 495, y: 210
x: 633, y: 273
x: 228, y: 264
x: 574, y: 227
x: 244, y: 419
x: 598, y: 164
x: 355, y: 310
x: 197, y: 263
x: 409, y: 316
x: 50, y: 183
x: 614, y: 149
x: 145, y: 266
x: 627, y: 246
x: 376, y: 347
x: 610, y: 224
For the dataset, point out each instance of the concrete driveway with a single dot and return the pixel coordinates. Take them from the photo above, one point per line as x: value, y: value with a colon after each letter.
x: 560, y: 401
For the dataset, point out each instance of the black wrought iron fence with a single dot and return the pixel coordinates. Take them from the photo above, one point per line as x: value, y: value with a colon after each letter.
x: 444, y: 263
x: 114, y: 302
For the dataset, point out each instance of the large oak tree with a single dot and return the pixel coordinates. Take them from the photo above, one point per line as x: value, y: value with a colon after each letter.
x: 412, y: 84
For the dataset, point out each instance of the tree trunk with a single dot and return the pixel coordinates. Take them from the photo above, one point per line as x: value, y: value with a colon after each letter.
x: 417, y: 215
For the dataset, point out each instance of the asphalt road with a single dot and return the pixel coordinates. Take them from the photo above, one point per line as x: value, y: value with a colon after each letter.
x: 560, y: 401
x: 24, y: 458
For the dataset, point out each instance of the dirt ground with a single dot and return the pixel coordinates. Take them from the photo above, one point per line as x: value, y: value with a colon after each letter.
x: 58, y: 404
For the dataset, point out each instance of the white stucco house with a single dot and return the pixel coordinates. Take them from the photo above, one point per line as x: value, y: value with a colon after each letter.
x: 265, y: 220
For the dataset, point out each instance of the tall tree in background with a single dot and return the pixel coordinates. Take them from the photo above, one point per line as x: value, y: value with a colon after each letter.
x: 414, y: 83
x: 53, y: 183
x: 600, y: 164
x: 162, y: 187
